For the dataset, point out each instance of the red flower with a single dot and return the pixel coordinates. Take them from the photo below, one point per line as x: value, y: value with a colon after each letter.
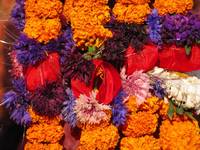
x: 46, y: 71
x: 108, y: 88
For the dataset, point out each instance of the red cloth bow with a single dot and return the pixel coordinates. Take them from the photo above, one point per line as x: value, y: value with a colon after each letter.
x: 174, y: 58
x: 109, y: 87
x: 144, y: 60
x: 46, y: 71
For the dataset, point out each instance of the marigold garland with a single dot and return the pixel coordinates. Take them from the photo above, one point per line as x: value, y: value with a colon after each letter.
x: 42, y: 30
x: 173, y: 6
x: 43, y: 8
x: 87, y: 19
x: 131, y: 13
x: 179, y: 135
x: 139, y: 124
x: 141, y: 143
x: 136, y: 2
x: 102, y: 138
x: 37, y: 146
x: 131, y: 104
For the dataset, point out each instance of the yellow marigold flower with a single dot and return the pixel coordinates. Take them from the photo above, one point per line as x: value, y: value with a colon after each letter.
x: 101, y: 138
x: 173, y: 6
x: 131, y: 104
x: 141, y: 143
x: 131, y: 13
x: 44, y: 133
x: 87, y: 21
x: 42, y: 30
x: 141, y: 123
x: 39, y: 146
x: 136, y: 2
x: 43, y: 119
x: 43, y: 8
x: 179, y: 135
x: 152, y: 104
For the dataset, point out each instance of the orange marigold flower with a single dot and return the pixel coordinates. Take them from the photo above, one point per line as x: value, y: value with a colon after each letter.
x: 152, y: 104
x: 179, y: 135
x: 131, y: 13
x: 44, y: 133
x: 43, y: 119
x: 101, y: 138
x: 131, y: 104
x: 43, y: 8
x: 173, y: 6
x: 136, y: 2
x: 39, y: 146
x: 141, y: 143
x: 141, y: 123
x: 87, y: 21
x: 42, y: 30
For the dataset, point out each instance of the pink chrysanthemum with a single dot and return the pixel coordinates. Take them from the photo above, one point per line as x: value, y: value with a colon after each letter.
x: 89, y: 111
x: 137, y: 84
x: 17, y: 69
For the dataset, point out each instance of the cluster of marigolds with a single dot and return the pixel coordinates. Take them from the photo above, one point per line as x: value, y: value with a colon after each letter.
x: 148, y: 126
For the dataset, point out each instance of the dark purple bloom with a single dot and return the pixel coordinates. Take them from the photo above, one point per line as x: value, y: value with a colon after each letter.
x: 157, y: 89
x: 154, y: 27
x: 73, y: 65
x: 68, y: 113
x: 119, y: 111
x: 18, y: 14
x: 124, y: 35
x: 48, y: 100
x: 181, y: 29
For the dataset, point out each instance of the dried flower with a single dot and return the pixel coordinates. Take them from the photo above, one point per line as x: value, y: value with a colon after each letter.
x: 18, y: 15
x: 119, y: 111
x: 67, y: 112
x: 48, y: 100
x: 89, y: 111
x: 141, y: 143
x: 137, y: 84
x: 154, y: 27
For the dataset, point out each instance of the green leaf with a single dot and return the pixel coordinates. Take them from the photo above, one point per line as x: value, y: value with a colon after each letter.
x: 180, y: 110
x: 190, y: 115
x: 187, y: 50
x: 91, y: 49
x: 171, y: 110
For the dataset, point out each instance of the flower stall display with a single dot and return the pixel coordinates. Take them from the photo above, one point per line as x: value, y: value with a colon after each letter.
x: 111, y: 71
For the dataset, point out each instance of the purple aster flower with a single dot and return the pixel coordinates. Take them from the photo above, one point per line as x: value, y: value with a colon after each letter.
x: 157, y: 89
x: 18, y: 14
x: 119, y: 111
x: 48, y: 100
x: 17, y: 103
x: 154, y: 27
x: 19, y: 85
x: 181, y: 29
x: 68, y: 113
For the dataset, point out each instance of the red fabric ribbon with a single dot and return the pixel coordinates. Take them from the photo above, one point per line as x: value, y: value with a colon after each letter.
x: 174, y: 58
x: 144, y: 60
x: 109, y: 87
x: 46, y: 71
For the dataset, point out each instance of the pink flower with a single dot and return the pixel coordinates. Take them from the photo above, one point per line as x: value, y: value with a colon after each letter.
x: 137, y: 84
